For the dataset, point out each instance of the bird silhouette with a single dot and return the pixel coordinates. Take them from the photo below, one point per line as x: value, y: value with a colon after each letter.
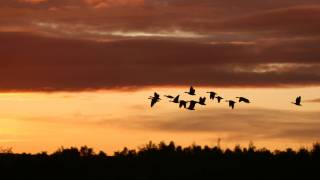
x: 231, y: 104
x: 212, y: 95
x: 243, y: 99
x: 156, y: 95
x: 192, y: 91
x: 183, y: 104
x: 176, y: 99
x: 219, y: 98
x: 192, y: 105
x: 154, y: 99
x: 169, y: 96
x: 298, y: 101
x: 202, y: 101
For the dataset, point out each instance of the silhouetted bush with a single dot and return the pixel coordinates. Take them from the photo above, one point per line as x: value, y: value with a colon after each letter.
x: 163, y: 161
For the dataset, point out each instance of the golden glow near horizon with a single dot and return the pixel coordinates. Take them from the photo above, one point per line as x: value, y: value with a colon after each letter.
x: 110, y: 120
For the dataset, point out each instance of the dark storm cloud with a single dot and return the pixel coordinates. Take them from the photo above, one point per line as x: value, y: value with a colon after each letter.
x: 94, y: 44
x: 41, y: 63
x: 291, y: 21
x: 199, y: 16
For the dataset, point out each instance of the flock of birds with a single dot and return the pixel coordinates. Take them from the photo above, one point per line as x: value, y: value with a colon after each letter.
x: 202, y: 100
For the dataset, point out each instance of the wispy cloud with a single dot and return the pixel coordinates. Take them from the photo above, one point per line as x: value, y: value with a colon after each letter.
x: 163, y: 34
x: 237, y: 125
x: 314, y: 100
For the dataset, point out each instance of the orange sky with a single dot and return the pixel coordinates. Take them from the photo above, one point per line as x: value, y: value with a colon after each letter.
x: 110, y: 120
x: 75, y: 72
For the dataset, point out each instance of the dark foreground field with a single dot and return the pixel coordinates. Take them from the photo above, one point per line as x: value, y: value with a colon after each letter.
x: 164, y: 161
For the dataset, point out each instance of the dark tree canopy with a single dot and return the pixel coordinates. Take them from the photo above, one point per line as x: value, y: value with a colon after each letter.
x: 163, y: 161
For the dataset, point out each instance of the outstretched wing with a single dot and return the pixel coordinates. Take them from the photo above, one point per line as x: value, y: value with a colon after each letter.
x: 242, y: 99
x: 153, y: 101
x: 169, y: 96
x: 192, y: 90
x: 176, y: 99
x: 156, y: 95
x: 192, y: 105
x: 219, y: 98
x: 212, y: 95
x: 182, y: 104
x: 298, y: 100
x: 232, y: 103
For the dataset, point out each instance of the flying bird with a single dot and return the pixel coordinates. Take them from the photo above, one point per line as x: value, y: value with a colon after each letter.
x: 154, y: 99
x: 156, y: 95
x: 183, y: 104
x: 243, y: 99
x: 219, y: 98
x: 202, y: 101
x: 192, y: 91
x: 212, y: 95
x: 169, y: 96
x: 231, y: 104
x: 192, y: 105
x: 298, y: 101
x: 176, y: 99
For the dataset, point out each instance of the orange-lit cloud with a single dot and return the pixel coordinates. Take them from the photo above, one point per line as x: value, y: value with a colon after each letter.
x: 134, y: 43
x: 240, y: 125
x: 110, y: 3
x: 315, y: 100
x: 33, y: 1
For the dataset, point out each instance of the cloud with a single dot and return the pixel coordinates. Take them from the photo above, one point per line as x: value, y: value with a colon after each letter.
x: 241, y: 124
x: 314, y: 100
x: 242, y: 17
x: 32, y: 1
x: 77, y: 4
x: 110, y: 3
x: 32, y: 62
x: 79, y: 44
x: 289, y: 21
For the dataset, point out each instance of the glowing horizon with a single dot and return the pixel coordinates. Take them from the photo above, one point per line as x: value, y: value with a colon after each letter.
x: 35, y: 122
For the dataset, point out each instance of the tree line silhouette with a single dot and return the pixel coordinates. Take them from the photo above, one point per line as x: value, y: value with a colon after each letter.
x: 163, y: 161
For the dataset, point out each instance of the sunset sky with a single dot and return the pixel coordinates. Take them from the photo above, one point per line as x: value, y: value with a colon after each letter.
x: 79, y: 72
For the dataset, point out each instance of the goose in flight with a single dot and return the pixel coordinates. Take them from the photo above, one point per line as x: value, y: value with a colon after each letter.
x: 231, y: 104
x: 183, y: 104
x: 176, y: 99
x: 219, y: 98
x: 156, y: 95
x: 212, y: 95
x: 192, y: 105
x: 298, y: 101
x: 169, y: 96
x: 202, y: 101
x: 192, y: 91
x: 243, y: 99
x: 154, y: 99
